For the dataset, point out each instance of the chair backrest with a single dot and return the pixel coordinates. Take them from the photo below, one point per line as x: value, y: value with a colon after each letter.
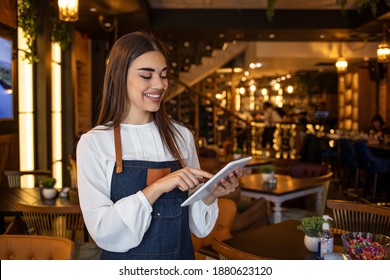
x: 307, y: 170
x: 34, y: 247
x: 14, y: 176
x: 227, y: 252
x: 311, y: 170
x: 347, y: 152
x: 64, y: 221
x: 354, y: 216
x: 368, y: 161
x: 222, y: 228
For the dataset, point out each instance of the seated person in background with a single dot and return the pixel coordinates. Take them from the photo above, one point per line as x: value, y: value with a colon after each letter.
x: 378, y: 128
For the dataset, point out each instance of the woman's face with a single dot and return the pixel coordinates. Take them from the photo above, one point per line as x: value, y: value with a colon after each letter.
x: 376, y: 124
x: 146, y: 85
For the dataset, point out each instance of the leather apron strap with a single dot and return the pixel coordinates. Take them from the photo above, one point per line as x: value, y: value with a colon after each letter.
x: 118, y: 149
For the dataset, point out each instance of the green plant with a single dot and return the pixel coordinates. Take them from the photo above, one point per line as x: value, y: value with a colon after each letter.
x: 268, y: 168
x: 48, y: 182
x: 29, y: 21
x: 311, y: 226
x: 238, y: 151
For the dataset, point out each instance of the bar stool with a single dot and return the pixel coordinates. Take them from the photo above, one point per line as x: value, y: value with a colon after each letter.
x: 370, y: 163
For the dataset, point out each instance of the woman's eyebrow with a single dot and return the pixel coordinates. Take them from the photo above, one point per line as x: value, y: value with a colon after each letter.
x: 151, y: 69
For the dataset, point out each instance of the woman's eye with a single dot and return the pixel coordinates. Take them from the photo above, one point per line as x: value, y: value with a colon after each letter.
x: 146, y: 77
x: 163, y: 77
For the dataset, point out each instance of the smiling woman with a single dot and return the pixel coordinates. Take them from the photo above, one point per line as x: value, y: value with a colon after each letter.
x: 136, y: 168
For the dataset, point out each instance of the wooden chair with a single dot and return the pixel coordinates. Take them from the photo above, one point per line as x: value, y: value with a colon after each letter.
x: 222, y: 228
x: 35, y: 247
x: 55, y: 221
x: 227, y: 252
x: 14, y: 176
x: 355, y: 216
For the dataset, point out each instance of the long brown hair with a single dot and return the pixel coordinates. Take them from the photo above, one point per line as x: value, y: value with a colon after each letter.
x: 115, y: 101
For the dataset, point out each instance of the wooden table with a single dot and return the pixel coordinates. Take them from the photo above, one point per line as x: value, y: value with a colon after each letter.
x: 10, y: 197
x: 287, y: 188
x: 282, y: 241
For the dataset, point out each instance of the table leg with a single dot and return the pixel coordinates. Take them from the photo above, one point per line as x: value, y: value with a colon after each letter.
x: 277, y: 212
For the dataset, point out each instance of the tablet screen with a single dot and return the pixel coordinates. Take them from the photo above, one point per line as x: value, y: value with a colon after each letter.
x: 206, y: 189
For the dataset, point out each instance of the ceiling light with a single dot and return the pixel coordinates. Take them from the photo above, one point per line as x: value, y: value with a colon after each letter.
x: 68, y: 10
x: 383, y: 50
x: 341, y: 64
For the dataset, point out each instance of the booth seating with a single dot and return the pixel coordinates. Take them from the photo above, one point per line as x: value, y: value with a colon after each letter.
x: 372, y: 165
x: 35, y: 247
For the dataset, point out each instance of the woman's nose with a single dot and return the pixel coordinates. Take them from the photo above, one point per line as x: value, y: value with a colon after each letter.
x: 158, y: 83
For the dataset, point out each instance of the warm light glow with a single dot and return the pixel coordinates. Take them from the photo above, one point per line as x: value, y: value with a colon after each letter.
x: 383, y: 52
x: 252, y: 88
x: 290, y: 89
x: 56, y: 114
x: 264, y: 91
x: 341, y: 64
x: 26, y: 112
x: 68, y: 10
x: 276, y: 86
x: 238, y: 102
x: 242, y: 90
x: 252, y: 101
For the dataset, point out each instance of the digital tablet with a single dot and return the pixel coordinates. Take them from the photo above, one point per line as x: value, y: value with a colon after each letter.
x: 206, y: 189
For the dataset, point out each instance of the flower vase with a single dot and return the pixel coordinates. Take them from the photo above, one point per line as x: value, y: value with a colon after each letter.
x: 311, y: 243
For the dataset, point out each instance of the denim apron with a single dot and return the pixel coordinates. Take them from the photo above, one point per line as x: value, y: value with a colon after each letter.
x: 168, y: 236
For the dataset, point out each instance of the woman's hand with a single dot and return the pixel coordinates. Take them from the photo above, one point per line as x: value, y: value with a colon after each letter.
x: 185, y: 179
x: 225, y: 186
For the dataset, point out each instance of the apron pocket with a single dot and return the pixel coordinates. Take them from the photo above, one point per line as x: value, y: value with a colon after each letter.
x: 163, y: 235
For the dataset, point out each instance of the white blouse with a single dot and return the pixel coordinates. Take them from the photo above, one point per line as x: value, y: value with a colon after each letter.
x: 121, y: 226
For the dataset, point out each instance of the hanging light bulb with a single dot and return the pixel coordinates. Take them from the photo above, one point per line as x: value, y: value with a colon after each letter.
x: 68, y: 10
x: 341, y: 64
x: 383, y: 50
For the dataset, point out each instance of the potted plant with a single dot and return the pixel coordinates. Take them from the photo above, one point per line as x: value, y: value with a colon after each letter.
x: 267, y: 170
x: 311, y: 227
x: 237, y: 153
x: 47, y: 187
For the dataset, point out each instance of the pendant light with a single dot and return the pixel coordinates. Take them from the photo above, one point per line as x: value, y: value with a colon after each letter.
x: 68, y: 10
x: 341, y: 63
x: 383, y: 50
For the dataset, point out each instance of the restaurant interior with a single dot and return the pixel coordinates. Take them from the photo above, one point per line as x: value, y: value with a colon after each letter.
x: 322, y: 65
